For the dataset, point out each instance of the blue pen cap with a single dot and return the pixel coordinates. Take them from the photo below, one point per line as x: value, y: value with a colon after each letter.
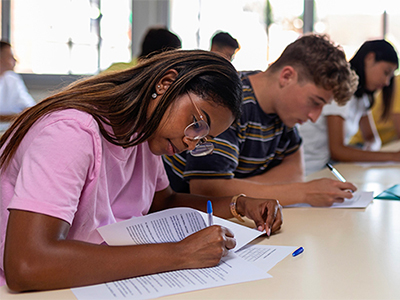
x: 298, y: 251
x: 209, y: 207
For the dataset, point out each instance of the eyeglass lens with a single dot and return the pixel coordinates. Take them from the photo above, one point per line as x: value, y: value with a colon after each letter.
x: 197, y: 130
x: 202, y: 149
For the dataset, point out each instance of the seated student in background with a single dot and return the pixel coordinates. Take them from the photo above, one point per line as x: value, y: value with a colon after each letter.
x: 14, y: 96
x: 329, y: 137
x: 89, y: 156
x: 260, y: 155
x: 224, y: 44
x: 386, y: 118
x: 155, y: 40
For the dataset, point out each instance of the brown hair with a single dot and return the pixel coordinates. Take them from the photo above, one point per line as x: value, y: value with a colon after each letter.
x: 121, y: 99
x: 4, y: 44
x: 318, y: 60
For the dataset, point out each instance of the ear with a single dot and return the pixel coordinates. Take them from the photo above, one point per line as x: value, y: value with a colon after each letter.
x: 287, y: 75
x: 166, y: 81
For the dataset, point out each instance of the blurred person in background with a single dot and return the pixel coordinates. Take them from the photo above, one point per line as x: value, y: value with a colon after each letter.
x: 14, y: 96
x: 156, y: 40
x: 224, y: 44
x: 327, y: 140
x: 387, y: 121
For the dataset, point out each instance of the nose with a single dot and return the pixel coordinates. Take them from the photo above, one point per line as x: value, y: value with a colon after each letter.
x: 387, y: 81
x: 191, y: 143
x: 314, y: 114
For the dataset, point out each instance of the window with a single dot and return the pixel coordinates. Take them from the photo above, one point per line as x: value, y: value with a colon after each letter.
x: 196, y: 22
x: 263, y: 28
x: 69, y: 36
x: 350, y: 23
x: 85, y: 36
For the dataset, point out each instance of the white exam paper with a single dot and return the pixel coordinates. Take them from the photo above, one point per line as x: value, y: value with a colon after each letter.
x: 376, y: 164
x: 359, y: 200
x: 171, y: 225
x: 243, y: 234
x: 265, y: 256
x: 232, y: 269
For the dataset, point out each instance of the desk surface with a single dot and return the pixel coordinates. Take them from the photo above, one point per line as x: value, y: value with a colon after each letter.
x: 349, y: 253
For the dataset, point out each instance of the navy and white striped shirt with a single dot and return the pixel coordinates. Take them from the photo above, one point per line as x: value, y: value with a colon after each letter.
x: 256, y: 143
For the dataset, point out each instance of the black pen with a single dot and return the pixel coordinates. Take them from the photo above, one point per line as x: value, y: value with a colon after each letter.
x: 336, y: 173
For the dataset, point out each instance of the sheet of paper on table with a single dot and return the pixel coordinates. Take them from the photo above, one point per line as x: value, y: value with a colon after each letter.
x: 376, y: 164
x: 265, y: 256
x: 170, y: 225
x: 359, y: 200
x: 174, y: 225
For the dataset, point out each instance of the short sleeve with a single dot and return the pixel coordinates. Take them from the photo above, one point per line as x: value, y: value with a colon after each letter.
x: 333, y: 109
x: 56, y: 162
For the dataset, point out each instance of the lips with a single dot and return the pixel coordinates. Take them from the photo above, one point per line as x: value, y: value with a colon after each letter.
x: 174, y: 149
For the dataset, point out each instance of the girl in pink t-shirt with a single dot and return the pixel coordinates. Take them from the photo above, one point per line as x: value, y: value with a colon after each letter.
x: 90, y: 155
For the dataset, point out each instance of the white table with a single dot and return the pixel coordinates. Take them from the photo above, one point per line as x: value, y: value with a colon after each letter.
x: 349, y: 253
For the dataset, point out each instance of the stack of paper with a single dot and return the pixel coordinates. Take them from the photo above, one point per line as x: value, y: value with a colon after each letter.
x: 173, y: 225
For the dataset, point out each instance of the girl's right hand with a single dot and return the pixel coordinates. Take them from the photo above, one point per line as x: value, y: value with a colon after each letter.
x: 206, y: 247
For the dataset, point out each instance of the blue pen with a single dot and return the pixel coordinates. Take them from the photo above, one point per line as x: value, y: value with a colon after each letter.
x: 210, y: 213
x: 298, y: 251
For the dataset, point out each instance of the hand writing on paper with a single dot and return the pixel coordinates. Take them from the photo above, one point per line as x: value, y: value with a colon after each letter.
x: 206, y: 247
x: 325, y: 191
x: 266, y: 213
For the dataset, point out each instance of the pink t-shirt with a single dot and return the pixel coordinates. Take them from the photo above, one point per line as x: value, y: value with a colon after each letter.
x: 66, y: 169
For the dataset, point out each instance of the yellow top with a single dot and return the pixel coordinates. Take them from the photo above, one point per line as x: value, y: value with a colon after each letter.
x: 386, y: 128
x: 119, y: 66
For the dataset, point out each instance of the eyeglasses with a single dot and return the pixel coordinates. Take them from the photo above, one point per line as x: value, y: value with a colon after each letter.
x: 198, y: 130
